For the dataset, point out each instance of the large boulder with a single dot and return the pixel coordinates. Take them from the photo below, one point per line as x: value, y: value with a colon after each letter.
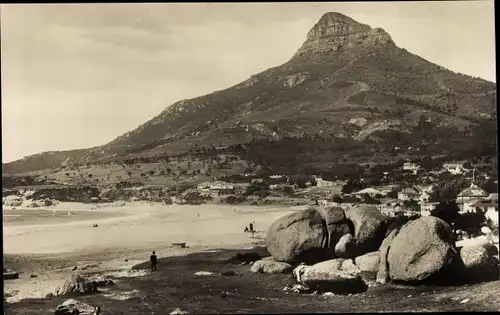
x: 479, y: 262
x: 77, y: 283
x: 368, y: 262
x: 346, y: 247
x: 337, y: 225
x: 298, y: 237
x: 383, y: 271
x: 328, y: 276
x: 369, y: 228
x: 269, y: 266
x: 421, y: 250
x: 395, y: 224
x: 74, y: 307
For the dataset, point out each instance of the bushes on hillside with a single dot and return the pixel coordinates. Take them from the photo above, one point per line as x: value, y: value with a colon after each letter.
x: 233, y: 199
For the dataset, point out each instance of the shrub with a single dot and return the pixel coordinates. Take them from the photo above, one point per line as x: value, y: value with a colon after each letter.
x: 233, y: 199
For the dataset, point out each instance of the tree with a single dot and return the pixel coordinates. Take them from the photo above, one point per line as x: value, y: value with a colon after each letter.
x: 67, y: 174
x: 411, y: 204
x: 288, y: 191
x: 337, y: 199
x: 90, y: 175
x: 129, y: 174
x: 152, y: 172
x: 393, y: 194
x: 447, y: 211
x: 471, y: 223
x: 352, y: 186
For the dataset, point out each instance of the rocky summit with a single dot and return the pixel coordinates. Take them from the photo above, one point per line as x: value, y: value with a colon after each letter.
x: 335, y: 32
x: 348, y: 94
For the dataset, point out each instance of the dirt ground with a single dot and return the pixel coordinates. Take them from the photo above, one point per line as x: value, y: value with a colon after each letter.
x: 174, y: 285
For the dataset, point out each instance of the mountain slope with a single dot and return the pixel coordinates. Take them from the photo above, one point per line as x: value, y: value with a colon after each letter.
x: 45, y: 160
x: 347, y: 81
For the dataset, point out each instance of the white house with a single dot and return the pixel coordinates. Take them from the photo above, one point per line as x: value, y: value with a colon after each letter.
x: 425, y: 194
x: 470, y: 196
x: 321, y: 183
x: 276, y: 176
x: 454, y: 167
x: 215, y: 186
x: 408, y: 166
x: 372, y: 192
x: 427, y: 207
x: 408, y: 194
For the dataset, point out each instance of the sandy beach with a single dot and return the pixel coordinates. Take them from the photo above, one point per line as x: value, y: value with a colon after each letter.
x: 48, y: 243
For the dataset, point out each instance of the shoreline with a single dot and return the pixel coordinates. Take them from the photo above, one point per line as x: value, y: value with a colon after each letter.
x: 50, y: 250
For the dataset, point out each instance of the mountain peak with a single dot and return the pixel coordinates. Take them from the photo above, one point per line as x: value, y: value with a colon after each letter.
x: 335, y: 31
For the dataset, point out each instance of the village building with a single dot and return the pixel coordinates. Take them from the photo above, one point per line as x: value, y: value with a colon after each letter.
x: 454, y: 168
x: 409, y: 166
x: 274, y: 187
x: 427, y: 207
x: 321, y: 183
x: 372, y: 192
x: 257, y: 180
x: 215, y: 186
x: 408, y: 194
x: 470, y: 196
x: 276, y: 176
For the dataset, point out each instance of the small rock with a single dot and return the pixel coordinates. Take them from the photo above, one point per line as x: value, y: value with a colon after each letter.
x: 268, y: 266
x: 33, y: 276
x: 203, y: 273
x: 178, y: 311
x: 74, y: 268
x: 464, y: 301
x: 228, y: 273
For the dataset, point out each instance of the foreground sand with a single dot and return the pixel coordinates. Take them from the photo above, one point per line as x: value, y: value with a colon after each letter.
x: 175, y: 285
x: 48, y: 242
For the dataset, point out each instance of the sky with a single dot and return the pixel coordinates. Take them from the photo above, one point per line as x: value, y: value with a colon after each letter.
x: 79, y: 75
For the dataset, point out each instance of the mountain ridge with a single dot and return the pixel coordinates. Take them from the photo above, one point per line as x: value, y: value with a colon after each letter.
x: 347, y: 81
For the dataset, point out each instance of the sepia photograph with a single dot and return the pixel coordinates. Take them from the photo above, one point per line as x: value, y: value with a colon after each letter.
x: 249, y: 158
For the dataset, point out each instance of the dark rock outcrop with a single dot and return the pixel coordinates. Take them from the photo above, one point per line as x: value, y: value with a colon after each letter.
x: 422, y: 250
x: 337, y: 225
x: 345, y: 247
x: 369, y: 228
x: 479, y: 263
x: 269, y: 266
x: 297, y: 237
x: 335, y: 32
x: 329, y: 276
x: 383, y: 272
x: 77, y: 283
x: 369, y: 262
x: 74, y: 307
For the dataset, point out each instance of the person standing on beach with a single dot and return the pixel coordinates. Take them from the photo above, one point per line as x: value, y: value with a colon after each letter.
x: 154, y: 261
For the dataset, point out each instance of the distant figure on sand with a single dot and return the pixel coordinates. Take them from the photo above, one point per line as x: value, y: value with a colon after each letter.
x: 246, y: 229
x: 251, y: 227
x: 154, y: 261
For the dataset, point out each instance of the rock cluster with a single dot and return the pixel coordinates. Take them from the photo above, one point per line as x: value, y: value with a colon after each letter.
x: 340, y: 251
